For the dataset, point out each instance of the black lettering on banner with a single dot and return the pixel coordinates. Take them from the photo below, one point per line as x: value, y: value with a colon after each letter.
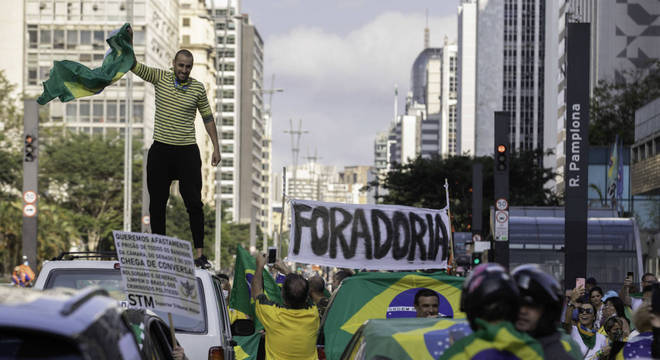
x: 301, y: 222
x: 433, y: 245
x: 400, y: 220
x: 360, y: 229
x: 440, y: 230
x: 336, y: 231
x: 320, y: 244
x: 417, y: 237
x: 381, y: 249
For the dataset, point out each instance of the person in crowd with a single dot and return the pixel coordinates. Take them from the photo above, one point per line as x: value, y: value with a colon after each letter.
x: 339, y: 276
x: 596, y: 299
x: 426, y: 303
x: 615, y: 339
x: 613, y: 307
x: 291, y: 328
x: 22, y: 276
x: 655, y: 320
x: 490, y: 299
x: 178, y: 353
x: 316, y: 293
x: 639, y: 342
x: 584, y: 333
x: 174, y: 154
x: 590, y: 283
x: 540, y: 311
x: 629, y: 297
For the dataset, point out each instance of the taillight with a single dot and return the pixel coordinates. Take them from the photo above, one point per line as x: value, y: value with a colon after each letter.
x: 320, y: 352
x: 116, y: 266
x: 216, y: 353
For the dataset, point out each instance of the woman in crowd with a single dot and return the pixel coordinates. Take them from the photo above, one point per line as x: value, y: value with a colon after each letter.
x: 613, y: 306
x: 595, y: 298
x: 584, y: 333
x: 615, y: 339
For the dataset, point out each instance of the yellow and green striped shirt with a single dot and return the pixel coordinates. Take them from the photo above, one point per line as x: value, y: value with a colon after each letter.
x: 176, y: 105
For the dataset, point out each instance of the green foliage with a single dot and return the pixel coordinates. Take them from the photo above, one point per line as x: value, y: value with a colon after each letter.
x: 84, y: 175
x: 420, y: 183
x: 613, y: 105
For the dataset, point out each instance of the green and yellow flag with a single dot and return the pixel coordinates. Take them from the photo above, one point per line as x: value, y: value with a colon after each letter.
x: 495, y: 341
x: 408, y: 338
x: 372, y: 295
x: 69, y: 80
x: 241, y: 300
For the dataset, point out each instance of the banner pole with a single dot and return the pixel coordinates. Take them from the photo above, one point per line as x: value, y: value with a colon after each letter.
x: 450, y: 258
x: 169, y: 317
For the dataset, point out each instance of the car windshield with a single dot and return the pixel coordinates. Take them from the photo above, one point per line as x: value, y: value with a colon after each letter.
x: 110, y: 280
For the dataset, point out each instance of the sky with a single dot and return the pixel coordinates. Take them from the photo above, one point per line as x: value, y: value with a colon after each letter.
x: 338, y: 62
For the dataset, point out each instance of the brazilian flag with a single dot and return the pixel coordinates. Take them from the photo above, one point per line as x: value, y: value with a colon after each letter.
x: 70, y: 80
x: 495, y: 341
x: 407, y: 338
x: 241, y: 300
x: 388, y: 295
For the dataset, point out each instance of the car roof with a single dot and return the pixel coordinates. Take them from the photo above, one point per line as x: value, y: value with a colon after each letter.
x: 95, y: 264
x: 60, y: 311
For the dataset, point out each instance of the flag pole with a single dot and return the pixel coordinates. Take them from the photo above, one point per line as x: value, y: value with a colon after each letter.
x: 450, y: 260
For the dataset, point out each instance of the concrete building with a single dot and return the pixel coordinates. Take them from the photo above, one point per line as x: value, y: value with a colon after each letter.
x: 244, y: 129
x: 623, y: 39
x: 12, y: 20
x: 76, y: 30
x: 645, y: 175
x: 510, y: 41
x: 466, y: 74
x: 197, y: 35
x: 314, y: 181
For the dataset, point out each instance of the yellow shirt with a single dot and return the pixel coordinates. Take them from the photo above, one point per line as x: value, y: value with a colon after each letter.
x: 290, y: 333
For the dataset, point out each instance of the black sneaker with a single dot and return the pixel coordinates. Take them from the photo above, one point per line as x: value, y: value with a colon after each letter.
x: 202, y: 262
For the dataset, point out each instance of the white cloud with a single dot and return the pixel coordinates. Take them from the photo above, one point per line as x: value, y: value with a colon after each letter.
x: 342, y: 85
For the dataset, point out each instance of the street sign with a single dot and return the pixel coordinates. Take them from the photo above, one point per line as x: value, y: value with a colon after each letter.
x: 502, y: 225
x: 29, y: 210
x: 146, y: 220
x: 501, y: 204
x: 29, y: 197
x: 476, y: 237
x: 481, y: 246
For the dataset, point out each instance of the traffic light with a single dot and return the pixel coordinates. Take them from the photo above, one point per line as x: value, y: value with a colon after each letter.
x: 30, y: 148
x: 501, y: 158
x: 476, y: 259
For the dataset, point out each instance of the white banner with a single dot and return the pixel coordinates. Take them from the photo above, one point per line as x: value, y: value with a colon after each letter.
x: 374, y: 237
x: 158, y: 273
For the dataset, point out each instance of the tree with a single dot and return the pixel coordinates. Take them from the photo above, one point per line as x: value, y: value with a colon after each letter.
x: 613, y: 105
x: 420, y: 183
x: 84, y: 174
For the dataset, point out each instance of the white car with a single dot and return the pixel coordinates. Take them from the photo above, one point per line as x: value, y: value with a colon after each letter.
x: 211, y: 339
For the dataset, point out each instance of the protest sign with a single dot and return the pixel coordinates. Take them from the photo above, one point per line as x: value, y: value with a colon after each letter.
x: 158, y: 273
x: 370, y: 237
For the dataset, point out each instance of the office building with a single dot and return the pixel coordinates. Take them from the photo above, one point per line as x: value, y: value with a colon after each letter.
x: 624, y: 39
x: 466, y: 73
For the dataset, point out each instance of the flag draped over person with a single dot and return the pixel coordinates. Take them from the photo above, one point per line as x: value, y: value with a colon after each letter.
x: 241, y: 300
x: 371, y: 295
x: 70, y: 80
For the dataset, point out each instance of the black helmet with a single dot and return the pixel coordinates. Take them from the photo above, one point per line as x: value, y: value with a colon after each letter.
x: 540, y: 289
x: 489, y: 293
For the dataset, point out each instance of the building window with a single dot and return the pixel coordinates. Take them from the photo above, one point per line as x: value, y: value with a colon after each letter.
x: 97, y: 111
x: 228, y: 81
x: 98, y: 40
x: 227, y: 107
x: 85, y: 57
x: 227, y: 148
x: 84, y: 111
x: 32, y: 36
x: 228, y: 94
x: 228, y: 135
x: 138, y: 38
x: 45, y: 37
x: 186, y: 22
x: 227, y: 189
x: 227, y: 163
x: 71, y: 39
x: 227, y: 176
x: 59, y: 39
x: 85, y: 37
x: 70, y: 112
x: 111, y: 111
x: 228, y: 121
x: 138, y: 111
x: 186, y: 39
x: 44, y: 71
x: 32, y: 76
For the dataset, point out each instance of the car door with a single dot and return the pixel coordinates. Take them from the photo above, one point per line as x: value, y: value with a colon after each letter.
x: 227, y: 342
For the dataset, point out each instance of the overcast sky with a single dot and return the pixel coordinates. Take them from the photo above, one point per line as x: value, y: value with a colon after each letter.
x: 337, y: 62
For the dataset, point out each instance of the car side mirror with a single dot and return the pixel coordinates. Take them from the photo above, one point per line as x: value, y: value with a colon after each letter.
x: 242, y: 327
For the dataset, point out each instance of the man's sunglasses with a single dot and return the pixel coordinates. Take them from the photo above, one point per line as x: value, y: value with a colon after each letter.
x: 585, y: 311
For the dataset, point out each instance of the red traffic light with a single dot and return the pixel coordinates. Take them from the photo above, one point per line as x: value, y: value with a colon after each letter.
x: 501, y: 148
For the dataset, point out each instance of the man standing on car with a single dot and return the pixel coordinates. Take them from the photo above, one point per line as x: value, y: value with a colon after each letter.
x: 292, y: 328
x: 174, y: 154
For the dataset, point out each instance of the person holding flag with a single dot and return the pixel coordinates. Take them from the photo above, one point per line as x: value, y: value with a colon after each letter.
x: 490, y: 299
x: 174, y: 154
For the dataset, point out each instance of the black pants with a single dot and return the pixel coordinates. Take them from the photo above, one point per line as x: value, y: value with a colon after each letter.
x: 174, y: 162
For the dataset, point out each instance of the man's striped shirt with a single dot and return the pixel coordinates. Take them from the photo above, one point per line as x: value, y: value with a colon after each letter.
x: 176, y: 105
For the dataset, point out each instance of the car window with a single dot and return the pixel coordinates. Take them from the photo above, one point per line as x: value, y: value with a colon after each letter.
x: 110, y: 280
x: 160, y: 339
x: 222, y: 307
x: 15, y: 344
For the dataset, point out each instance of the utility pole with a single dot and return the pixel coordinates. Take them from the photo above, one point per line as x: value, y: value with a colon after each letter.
x: 128, y: 138
x: 295, y: 150
x: 314, y: 163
